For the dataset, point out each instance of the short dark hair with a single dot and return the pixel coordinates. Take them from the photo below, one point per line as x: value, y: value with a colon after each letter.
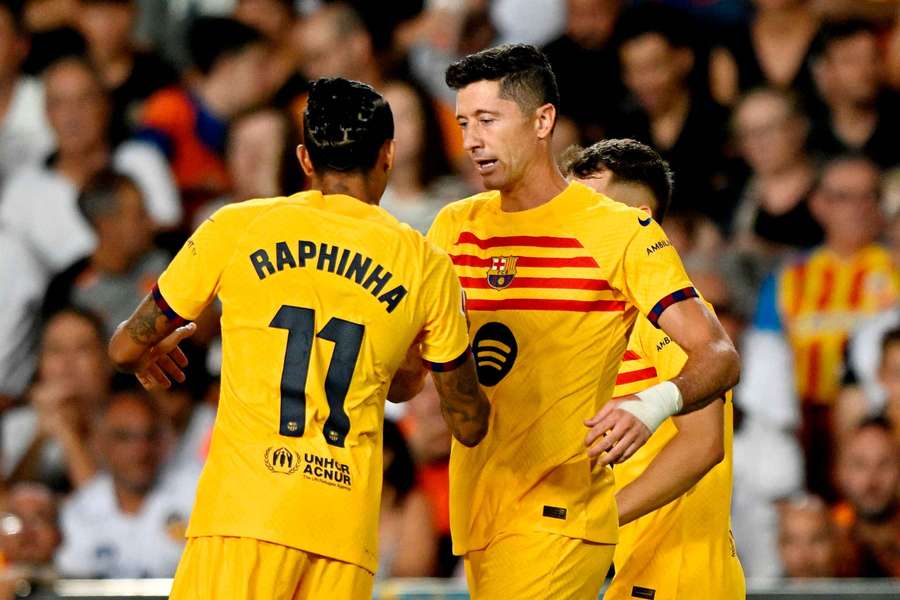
x: 672, y: 24
x: 345, y: 125
x: 629, y: 161
x: 210, y: 39
x: 836, y: 31
x: 99, y: 198
x: 524, y: 73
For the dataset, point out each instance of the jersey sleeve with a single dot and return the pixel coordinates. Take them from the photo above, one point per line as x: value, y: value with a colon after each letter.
x: 667, y: 356
x: 192, y: 279
x: 654, y: 277
x: 440, y: 232
x: 445, y: 345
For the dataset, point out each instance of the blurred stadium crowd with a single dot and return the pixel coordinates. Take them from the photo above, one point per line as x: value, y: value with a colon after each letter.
x: 123, y: 123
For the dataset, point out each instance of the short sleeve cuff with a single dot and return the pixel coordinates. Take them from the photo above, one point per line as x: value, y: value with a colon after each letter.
x: 167, y: 310
x: 673, y: 298
x: 442, y: 367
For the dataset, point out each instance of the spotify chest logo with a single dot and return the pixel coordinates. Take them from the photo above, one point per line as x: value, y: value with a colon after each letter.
x: 495, y: 350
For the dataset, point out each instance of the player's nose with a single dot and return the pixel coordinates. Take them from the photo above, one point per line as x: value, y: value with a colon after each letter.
x: 471, y: 140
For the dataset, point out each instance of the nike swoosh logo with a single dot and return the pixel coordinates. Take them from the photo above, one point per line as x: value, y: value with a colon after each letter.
x: 643, y: 222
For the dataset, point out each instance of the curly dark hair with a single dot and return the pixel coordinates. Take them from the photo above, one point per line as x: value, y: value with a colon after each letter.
x: 345, y: 125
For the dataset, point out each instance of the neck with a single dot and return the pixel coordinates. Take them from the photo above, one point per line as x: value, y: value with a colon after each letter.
x: 541, y: 183
x: 81, y: 166
x: 846, y: 247
x: 129, y: 501
x: 405, y: 180
x: 348, y: 184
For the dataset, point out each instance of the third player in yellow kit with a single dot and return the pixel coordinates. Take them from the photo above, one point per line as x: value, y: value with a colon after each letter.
x: 674, y: 494
x: 323, y: 295
x: 555, y: 275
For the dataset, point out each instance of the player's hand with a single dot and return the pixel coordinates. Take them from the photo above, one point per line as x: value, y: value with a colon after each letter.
x: 165, y: 360
x: 615, y: 433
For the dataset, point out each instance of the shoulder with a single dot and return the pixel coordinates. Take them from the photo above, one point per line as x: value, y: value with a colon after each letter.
x: 29, y: 176
x: 600, y: 218
x: 20, y: 420
x: 28, y: 90
x: 459, y: 210
x: 877, y: 255
x: 453, y: 215
x: 795, y: 264
x: 134, y: 151
x: 249, y: 209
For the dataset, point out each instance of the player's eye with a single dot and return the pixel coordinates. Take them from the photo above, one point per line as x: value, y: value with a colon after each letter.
x: 486, y: 121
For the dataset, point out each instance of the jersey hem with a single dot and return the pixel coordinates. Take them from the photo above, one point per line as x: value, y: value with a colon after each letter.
x: 612, y: 540
x: 311, y: 549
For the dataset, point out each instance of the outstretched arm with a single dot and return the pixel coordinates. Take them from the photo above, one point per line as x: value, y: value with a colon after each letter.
x: 147, y: 345
x: 465, y: 407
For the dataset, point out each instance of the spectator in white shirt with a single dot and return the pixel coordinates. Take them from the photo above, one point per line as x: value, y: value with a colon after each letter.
x: 129, y: 521
x: 40, y: 202
x: 25, y: 136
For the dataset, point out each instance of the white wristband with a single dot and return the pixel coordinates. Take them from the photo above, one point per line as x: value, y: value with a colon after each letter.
x: 656, y: 404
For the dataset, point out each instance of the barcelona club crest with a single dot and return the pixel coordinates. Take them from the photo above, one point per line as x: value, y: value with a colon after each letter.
x: 502, y: 271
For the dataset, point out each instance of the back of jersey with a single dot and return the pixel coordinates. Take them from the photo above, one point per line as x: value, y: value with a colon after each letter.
x: 321, y: 298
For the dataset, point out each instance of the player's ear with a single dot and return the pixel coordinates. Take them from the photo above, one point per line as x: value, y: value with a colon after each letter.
x: 388, y: 155
x: 646, y: 209
x: 545, y: 120
x: 304, y: 160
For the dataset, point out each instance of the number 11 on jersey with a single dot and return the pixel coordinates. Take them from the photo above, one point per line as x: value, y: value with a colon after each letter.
x: 347, y: 338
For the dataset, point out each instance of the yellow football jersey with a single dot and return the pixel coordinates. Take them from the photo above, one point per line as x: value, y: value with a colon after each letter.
x: 552, y: 294
x: 321, y: 298
x: 683, y: 549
